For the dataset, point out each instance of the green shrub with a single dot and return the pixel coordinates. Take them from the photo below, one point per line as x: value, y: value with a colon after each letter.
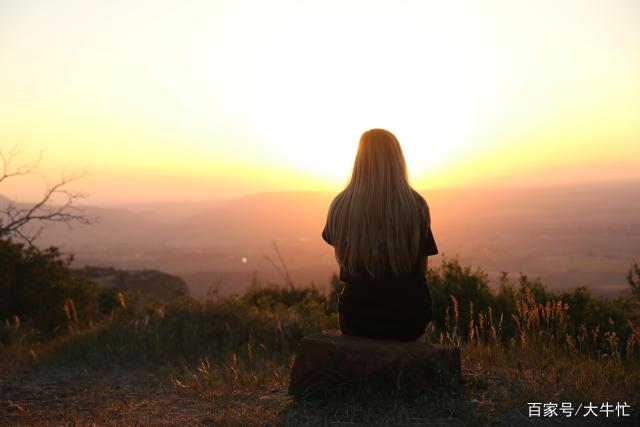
x: 39, y: 288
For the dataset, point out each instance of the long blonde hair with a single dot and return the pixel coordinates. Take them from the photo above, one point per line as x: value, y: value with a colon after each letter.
x: 374, y: 223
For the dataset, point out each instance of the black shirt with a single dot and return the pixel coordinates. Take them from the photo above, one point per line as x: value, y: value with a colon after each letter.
x: 402, y: 299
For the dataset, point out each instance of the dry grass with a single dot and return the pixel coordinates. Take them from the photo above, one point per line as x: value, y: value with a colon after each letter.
x: 229, y: 364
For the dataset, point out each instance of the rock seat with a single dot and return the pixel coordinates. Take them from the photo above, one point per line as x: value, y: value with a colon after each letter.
x: 330, y: 359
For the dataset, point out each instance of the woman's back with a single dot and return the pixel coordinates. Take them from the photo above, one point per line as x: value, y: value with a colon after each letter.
x: 386, y: 294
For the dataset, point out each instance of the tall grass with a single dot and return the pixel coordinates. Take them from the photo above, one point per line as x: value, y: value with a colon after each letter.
x: 215, y: 348
x: 551, y: 356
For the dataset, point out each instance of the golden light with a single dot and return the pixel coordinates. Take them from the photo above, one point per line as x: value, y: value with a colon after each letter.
x: 274, y: 96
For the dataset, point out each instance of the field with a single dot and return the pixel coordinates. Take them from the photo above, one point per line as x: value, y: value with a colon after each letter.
x: 226, y: 361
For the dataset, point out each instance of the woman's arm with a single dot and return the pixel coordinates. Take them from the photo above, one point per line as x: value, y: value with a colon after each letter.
x: 424, y: 264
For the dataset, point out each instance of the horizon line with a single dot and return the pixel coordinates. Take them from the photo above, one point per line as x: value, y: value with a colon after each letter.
x: 460, y: 187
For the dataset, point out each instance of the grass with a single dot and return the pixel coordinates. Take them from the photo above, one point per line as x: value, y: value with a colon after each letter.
x: 228, y: 361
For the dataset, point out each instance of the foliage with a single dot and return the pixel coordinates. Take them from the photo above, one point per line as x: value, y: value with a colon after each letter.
x: 273, y: 297
x: 462, y: 285
x: 38, y: 288
x: 152, y: 283
x: 42, y: 297
x: 520, y: 343
x: 185, y: 330
x: 133, y: 327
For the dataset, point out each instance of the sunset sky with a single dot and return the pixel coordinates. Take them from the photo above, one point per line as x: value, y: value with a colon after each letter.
x: 177, y: 100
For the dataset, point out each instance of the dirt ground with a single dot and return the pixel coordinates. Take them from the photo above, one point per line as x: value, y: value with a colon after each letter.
x: 74, y: 396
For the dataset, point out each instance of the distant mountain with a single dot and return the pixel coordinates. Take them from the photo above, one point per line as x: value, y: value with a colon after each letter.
x: 155, y: 283
x: 116, y: 227
x: 567, y: 235
x: 171, y: 212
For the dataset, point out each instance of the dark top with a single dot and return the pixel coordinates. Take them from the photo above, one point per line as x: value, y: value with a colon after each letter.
x: 399, y: 300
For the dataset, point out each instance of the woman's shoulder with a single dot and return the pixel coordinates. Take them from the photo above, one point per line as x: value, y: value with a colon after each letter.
x: 421, y: 201
x: 337, y: 199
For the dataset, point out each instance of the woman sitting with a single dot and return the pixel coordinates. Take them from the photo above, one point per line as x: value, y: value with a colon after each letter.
x: 381, y: 230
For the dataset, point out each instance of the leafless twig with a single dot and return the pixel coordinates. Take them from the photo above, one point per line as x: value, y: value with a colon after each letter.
x: 14, y: 217
x: 284, y: 272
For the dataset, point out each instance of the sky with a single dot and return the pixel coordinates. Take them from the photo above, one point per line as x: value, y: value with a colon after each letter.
x: 192, y: 100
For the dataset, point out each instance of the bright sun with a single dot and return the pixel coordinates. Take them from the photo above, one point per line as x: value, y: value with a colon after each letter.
x: 316, y: 93
x: 237, y: 96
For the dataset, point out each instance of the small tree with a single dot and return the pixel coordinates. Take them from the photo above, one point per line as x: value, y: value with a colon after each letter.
x: 40, y: 288
x: 15, y: 218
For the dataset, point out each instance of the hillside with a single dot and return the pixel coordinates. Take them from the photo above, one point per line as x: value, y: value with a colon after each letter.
x: 152, y: 283
x: 568, y: 236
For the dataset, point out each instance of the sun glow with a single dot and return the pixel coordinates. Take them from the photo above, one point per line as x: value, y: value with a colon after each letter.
x: 344, y: 73
x: 274, y: 95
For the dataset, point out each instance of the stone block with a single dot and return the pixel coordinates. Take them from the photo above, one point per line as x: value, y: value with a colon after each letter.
x: 330, y: 359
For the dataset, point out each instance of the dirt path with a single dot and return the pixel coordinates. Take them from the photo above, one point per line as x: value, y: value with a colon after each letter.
x: 74, y: 396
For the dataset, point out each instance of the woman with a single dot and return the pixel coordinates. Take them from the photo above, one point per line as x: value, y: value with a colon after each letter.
x: 380, y: 228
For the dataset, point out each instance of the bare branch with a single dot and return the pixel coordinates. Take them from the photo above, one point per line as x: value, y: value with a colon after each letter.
x: 24, y: 169
x: 13, y: 218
